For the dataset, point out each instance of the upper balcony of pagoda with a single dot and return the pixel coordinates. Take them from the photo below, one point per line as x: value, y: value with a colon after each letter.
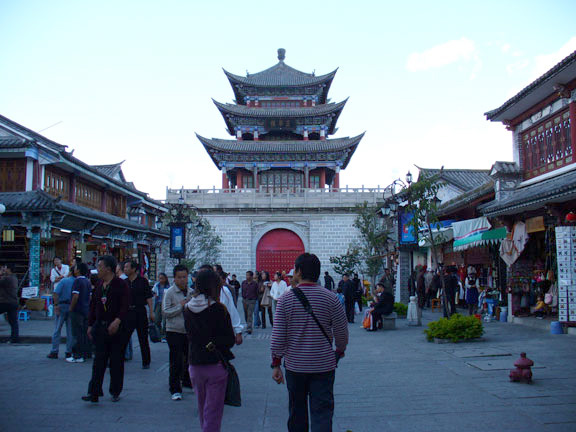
x: 281, y: 80
x: 319, y: 119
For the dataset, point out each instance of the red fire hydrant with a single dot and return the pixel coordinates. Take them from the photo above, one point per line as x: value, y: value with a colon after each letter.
x: 523, y: 371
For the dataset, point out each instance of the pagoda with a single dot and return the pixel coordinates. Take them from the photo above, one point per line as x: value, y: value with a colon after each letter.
x: 281, y: 120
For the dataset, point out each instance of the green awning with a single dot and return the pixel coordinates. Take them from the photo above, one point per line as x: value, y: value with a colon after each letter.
x: 484, y: 238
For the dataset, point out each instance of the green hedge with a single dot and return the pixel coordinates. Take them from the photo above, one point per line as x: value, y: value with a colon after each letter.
x: 455, y: 328
x: 400, y: 309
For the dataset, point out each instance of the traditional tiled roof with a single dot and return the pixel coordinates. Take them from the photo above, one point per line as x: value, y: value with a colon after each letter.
x: 560, y: 188
x: 280, y: 75
x: 28, y: 134
x: 484, y: 192
x: 339, y: 149
x: 244, y: 111
x: 11, y: 142
x: 289, y: 146
x: 562, y: 73
x: 40, y: 201
x: 111, y: 170
x: 505, y: 168
x: 463, y: 179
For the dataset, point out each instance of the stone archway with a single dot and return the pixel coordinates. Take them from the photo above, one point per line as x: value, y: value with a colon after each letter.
x: 277, y: 250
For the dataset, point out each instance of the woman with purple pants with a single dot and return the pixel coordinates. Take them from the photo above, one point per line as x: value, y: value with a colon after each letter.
x: 211, y: 336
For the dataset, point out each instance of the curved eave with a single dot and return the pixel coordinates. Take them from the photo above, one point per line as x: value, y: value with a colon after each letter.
x: 248, y: 81
x: 213, y: 145
x: 243, y: 111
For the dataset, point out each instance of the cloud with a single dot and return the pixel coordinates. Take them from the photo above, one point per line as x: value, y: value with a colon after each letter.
x: 450, y: 52
x: 517, y: 66
x: 505, y: 48
x: 543, y: 63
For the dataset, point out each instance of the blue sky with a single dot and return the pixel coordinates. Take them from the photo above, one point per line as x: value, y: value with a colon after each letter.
x: 133, y: 80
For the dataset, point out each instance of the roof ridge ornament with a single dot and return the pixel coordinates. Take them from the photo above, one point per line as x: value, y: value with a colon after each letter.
x: 281, y: 54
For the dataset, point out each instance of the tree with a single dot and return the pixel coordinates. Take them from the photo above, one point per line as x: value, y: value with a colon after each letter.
x: 202, y: 241
x: 347, y: 263
x: 372, y: 240
x: 423, y: 204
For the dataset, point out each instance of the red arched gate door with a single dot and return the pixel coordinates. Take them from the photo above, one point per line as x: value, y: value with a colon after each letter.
x: 277, y: 250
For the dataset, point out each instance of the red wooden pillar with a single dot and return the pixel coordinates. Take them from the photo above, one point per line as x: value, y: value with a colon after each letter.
x: 573, y: 126
x: 322, y: 178
x: 239, y: 179
x: 225, y: 184
x: 336, y: 182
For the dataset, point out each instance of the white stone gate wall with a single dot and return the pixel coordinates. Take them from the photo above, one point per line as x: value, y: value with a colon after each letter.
x: 325, y: 235
x: 330, y: 235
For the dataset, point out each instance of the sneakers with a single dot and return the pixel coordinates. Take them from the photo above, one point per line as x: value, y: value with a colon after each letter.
x: 52, y: 355
x: 74, y: 360
x: 146, y: 366
x: 90, y: 398
x: 177, y: 396
x: 164, y: 340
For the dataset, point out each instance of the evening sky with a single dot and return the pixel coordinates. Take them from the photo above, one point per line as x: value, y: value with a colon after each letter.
x: 133, y: 80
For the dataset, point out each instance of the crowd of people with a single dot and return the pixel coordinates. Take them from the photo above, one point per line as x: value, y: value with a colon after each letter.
x: 446, y: 285
x: 197, y: 316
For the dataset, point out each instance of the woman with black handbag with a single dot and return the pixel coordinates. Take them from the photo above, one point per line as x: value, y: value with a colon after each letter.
x: 211, y: 336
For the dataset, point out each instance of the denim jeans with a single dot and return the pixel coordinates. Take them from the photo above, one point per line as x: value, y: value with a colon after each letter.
x: 256, y: 318
x: 59, y: 321
x: 316, y: 390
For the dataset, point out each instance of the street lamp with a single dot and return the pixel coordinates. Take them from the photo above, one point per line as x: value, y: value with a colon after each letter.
x: 409, y: 178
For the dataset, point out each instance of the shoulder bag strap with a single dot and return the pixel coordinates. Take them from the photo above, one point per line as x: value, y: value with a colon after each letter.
x: 308, y: 308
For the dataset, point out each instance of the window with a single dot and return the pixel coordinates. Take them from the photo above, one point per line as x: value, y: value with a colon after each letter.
x: 56, y: 183
x: 281, y: 180
x: 314, y: 181
x: 88, y: 196
x: 12, y: 175
x: 547, y: 146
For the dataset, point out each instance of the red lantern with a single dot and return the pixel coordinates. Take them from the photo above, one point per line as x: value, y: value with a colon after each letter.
x: 571, y: 217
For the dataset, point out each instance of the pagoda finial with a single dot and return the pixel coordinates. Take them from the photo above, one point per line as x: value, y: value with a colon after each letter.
x: 281, y: 54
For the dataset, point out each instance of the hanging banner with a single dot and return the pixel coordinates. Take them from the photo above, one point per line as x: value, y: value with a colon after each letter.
x: 407, y: 235
x: 177, y: 242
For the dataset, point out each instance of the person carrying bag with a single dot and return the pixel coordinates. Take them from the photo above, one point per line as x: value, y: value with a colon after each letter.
x: 211, y: 336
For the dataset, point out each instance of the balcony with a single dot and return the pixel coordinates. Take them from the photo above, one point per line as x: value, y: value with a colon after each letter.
x: 209, y: 199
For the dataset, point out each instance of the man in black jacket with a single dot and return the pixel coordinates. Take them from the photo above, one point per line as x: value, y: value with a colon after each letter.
x: 106, y: 328
x: 137, y: 320
x: 349, y: 292
x: 328, y: 282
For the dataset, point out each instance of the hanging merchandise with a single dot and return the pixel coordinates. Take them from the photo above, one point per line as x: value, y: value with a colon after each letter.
x: 512, y: 246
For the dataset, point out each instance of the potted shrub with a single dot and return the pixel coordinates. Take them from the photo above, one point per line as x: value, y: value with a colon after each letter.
x: 401, y: 310
x: 457, y: 328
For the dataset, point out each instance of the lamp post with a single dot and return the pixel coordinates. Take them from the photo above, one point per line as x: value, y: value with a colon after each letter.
x: 181, y: 223
x: 399, y: 191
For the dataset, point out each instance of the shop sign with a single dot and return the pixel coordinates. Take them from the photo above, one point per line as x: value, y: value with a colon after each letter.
x: 153, y: 269
x: 535, y: 224
x: 29, y: 292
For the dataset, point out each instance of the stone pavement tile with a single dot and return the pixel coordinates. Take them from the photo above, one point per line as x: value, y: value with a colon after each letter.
x: 388, y: 381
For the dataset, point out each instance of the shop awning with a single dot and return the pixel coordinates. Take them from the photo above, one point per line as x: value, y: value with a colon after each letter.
x: 443, y: 235
x: 479, y: 239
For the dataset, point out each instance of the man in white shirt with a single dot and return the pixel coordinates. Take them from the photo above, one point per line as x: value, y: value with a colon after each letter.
x: 59, y: 272
x: 279, y: 287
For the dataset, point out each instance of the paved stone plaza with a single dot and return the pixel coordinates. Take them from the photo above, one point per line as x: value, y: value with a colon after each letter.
x: 389, y: 381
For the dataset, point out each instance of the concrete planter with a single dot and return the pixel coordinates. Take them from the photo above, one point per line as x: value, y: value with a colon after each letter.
x: 447, y: 341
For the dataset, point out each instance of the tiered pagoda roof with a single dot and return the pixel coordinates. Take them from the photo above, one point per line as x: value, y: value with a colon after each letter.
x: 281, y: 121
x: 280, y: 76
x: 226, y: 151
x: 235, y: 114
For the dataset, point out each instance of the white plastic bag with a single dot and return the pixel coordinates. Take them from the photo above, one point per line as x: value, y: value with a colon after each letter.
x: 356, y: 308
